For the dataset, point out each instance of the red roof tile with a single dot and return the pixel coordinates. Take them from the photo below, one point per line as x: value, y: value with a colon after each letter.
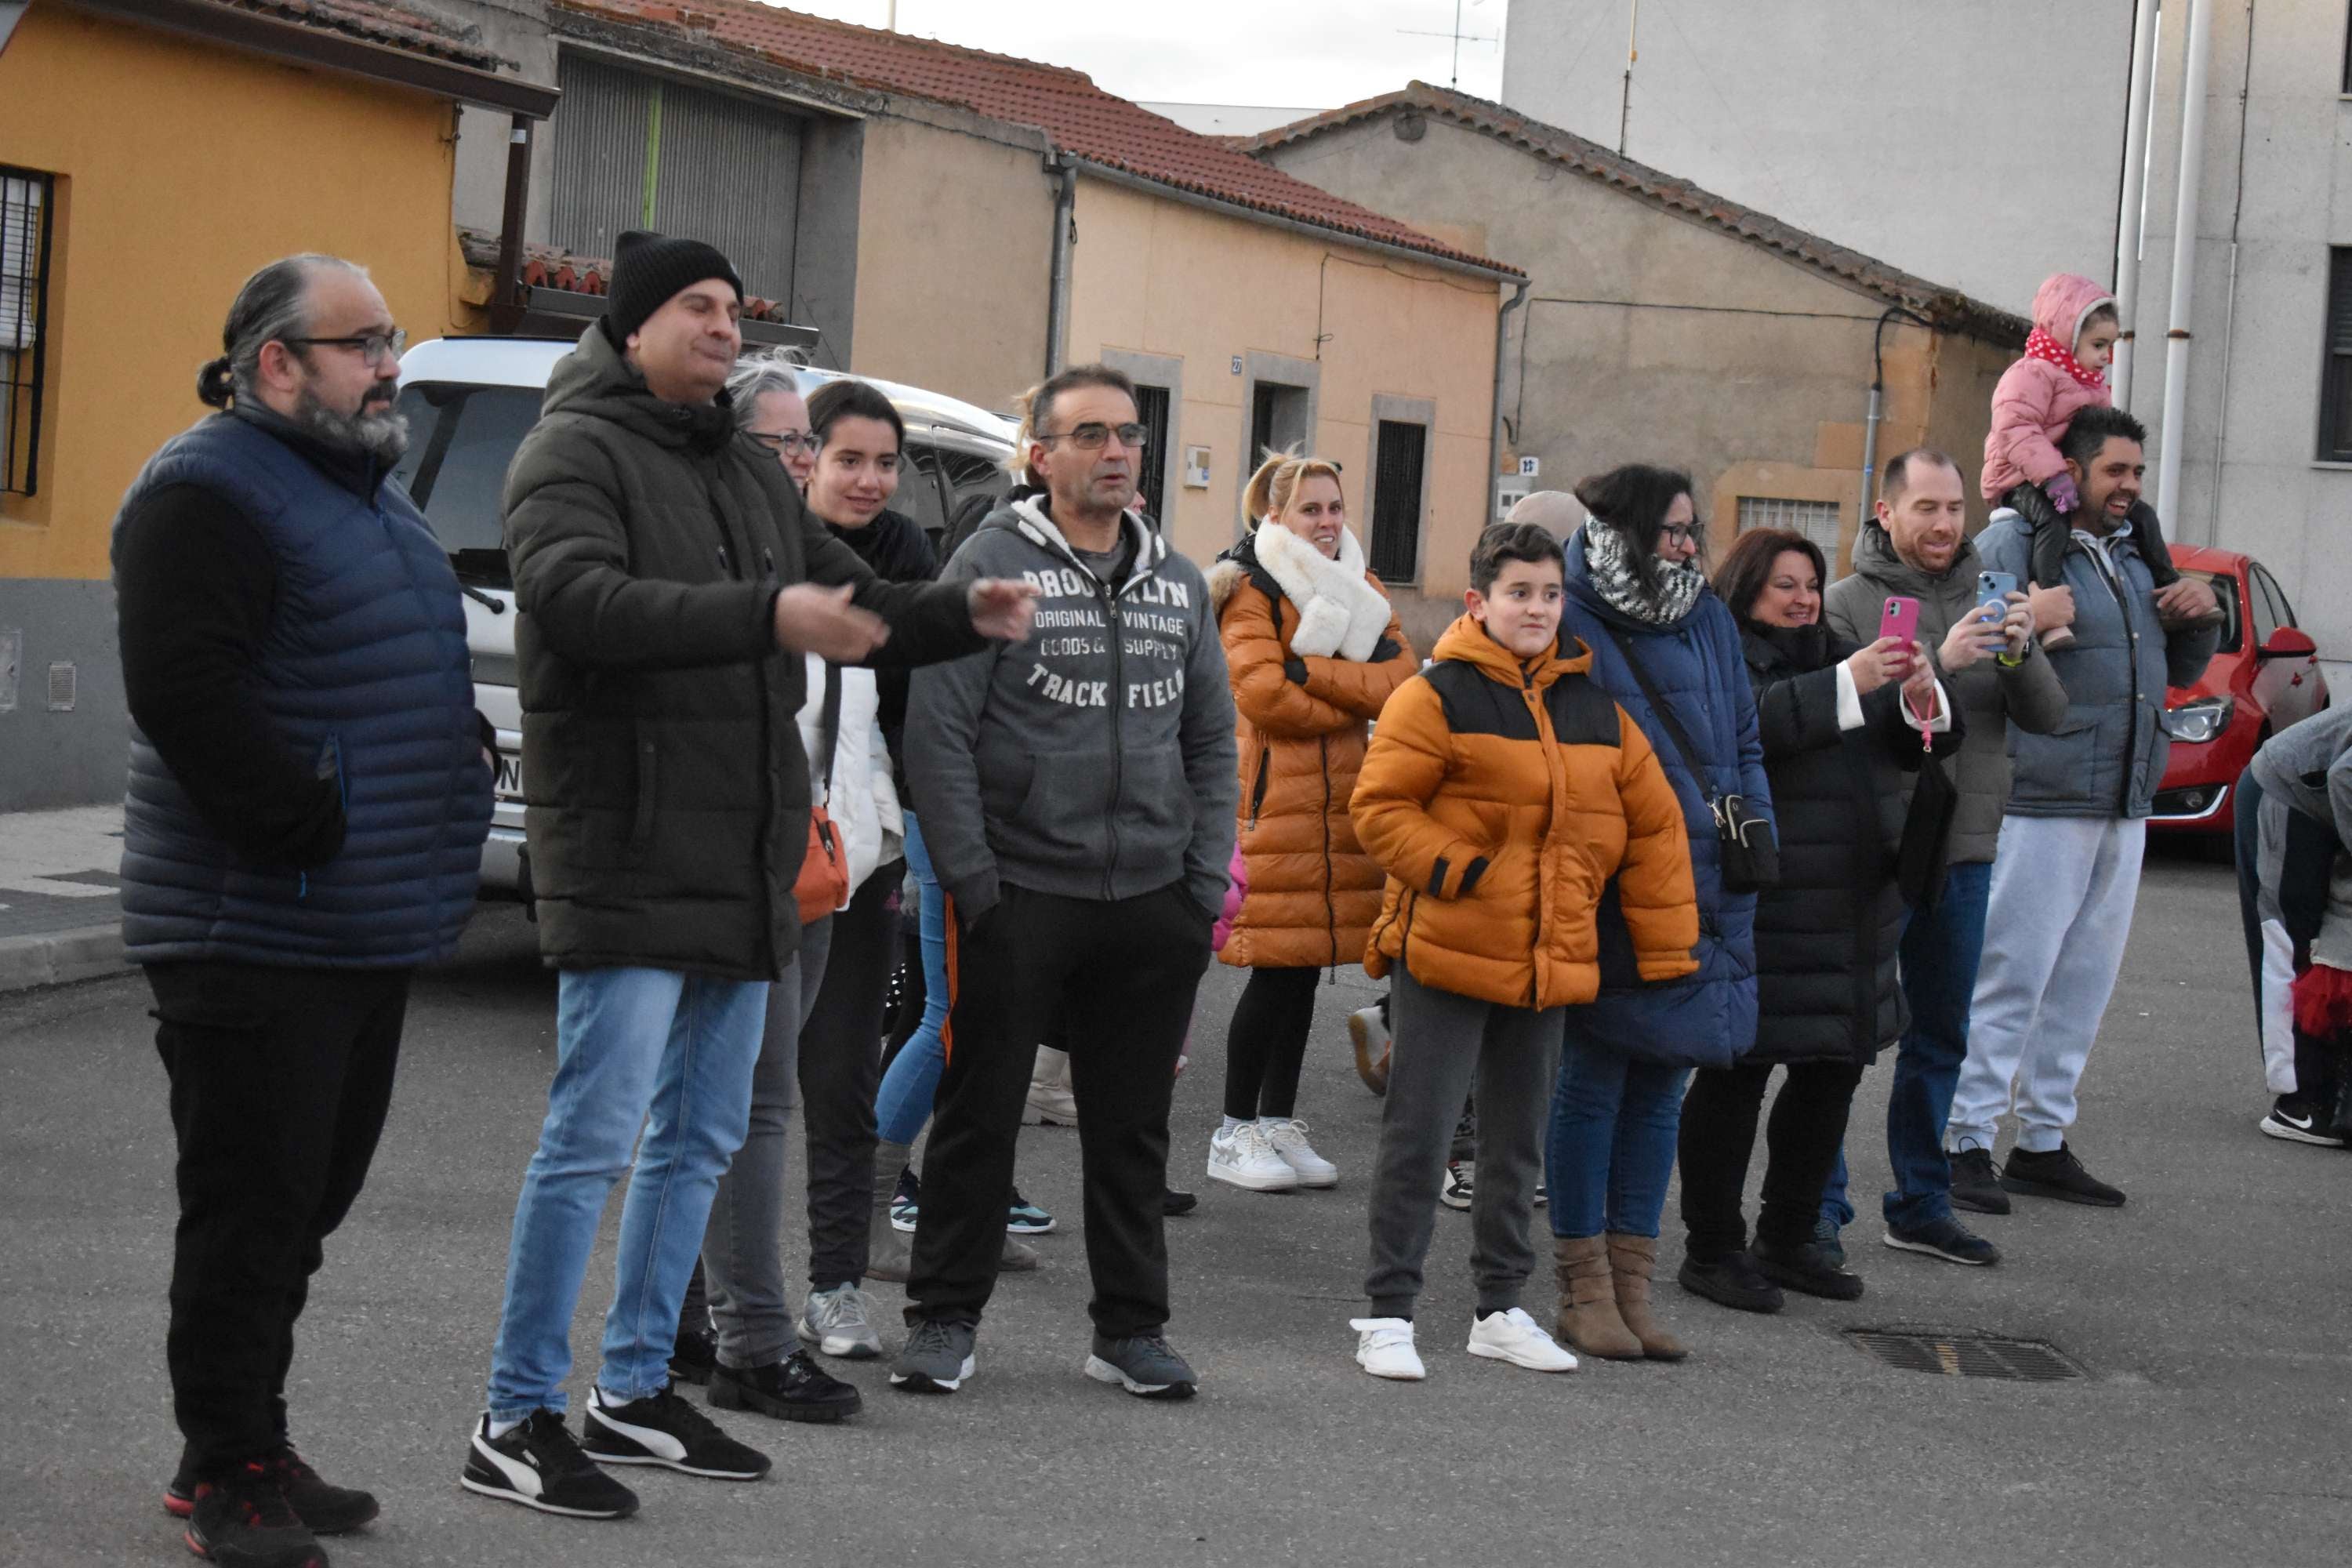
x: 1948, y: 308
x: 383, y: 22
x: 1080, y: 117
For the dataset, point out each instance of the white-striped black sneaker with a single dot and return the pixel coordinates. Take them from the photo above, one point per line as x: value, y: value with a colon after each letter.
x: 539, y: 1466
x: 663, y: 1429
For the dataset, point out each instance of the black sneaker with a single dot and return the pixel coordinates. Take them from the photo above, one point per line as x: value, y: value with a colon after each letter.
x: 1022, y: 1217
x: 2299, y: 1121
x: 1732, y: 1280
x: 1827, y: 1237
x: 1947, y: 1239
x: 1461, y: 1183
x: 906, y: 1202
x: 664, y: 1429
x: 936, y: 1359
x: 2057, y: 1174
x: 539, y: 1466
x: 794, y: 1389
x: 245, y: 1521
x: 1173, y: 1202
x: 1975, y: 1186
x: 693, y: 1357
x: 1146, y: 1365
x: 1803, y: 1268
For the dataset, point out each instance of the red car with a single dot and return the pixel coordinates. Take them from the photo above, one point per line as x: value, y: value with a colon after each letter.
x: 2265, y: 676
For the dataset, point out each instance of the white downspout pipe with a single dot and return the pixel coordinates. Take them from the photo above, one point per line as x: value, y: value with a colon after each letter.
x: 2138, y: 122
x: 2175, y: 438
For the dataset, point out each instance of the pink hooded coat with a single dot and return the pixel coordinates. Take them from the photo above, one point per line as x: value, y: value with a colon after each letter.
x: 2035, y: 399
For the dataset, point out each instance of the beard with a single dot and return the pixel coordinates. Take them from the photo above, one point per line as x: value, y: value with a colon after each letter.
x: 376, y: 431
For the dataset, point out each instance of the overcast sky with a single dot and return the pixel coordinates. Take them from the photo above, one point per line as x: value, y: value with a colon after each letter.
x: 1307, y: 54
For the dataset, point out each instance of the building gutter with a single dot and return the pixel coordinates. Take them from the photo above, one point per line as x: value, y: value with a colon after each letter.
x: 304, y: 45
x: 2138, y: 122
x: 1058, y: 288
x: 1877, y: 409
x: 1495, y: 409
x: 1323, y: 232
x: 2198, y: 19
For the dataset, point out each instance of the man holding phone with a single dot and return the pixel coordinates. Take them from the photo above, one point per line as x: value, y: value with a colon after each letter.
x: 2075, y: 826
x: 1995, y: 673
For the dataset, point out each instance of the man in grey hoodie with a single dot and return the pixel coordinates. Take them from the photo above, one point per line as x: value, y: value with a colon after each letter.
x: 1077, y: 796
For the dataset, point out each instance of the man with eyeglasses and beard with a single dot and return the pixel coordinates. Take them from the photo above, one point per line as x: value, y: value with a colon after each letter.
x: 308, y: 792
x: 1077, y: 796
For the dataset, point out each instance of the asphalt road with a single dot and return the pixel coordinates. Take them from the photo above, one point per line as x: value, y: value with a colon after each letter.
x: 2210, y: 1312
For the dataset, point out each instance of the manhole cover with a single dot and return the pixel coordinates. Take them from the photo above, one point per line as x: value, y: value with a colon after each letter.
x: 1967, y: 1356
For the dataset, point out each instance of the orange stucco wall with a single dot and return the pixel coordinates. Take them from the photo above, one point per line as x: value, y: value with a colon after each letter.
x: 180, y: 167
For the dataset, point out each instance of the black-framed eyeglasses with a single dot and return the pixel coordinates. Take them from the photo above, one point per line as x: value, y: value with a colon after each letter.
x: 1092, y: 436
x: 374, y: 347
x: 1679, y: 533
x: 787, y: 442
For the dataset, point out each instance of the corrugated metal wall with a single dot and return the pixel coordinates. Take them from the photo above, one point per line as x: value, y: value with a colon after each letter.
x: 727, y: 169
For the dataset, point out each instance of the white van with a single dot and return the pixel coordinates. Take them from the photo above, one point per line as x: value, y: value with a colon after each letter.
x: 468, y: 401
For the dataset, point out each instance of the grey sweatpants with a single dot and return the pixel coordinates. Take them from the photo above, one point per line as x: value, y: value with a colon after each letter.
x: 743, y: 1250
x: 1442, y: 1043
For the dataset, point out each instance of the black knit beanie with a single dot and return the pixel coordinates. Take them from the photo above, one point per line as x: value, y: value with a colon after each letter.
x: 649, y: 270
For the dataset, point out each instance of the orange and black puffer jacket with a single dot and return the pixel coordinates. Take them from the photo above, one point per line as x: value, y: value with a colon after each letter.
x: 1302, y: 718
x: 1501, y: 797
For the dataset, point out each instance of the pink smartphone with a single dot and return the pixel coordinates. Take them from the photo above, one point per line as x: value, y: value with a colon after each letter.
x: 1900, y: 619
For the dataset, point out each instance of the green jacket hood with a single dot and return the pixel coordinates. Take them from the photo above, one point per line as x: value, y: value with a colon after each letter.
x: 596, y: 378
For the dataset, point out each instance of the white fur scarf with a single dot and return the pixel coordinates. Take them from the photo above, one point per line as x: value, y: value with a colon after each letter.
x: 1339, y: 612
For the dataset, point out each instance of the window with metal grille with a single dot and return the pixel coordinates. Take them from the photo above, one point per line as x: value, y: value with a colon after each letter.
x: 1151, y: 485
x: 636, y: 150
x: 1396, y: 501
x: 25, y: 202
x: 1816, y: 520
x: 2336, y: 373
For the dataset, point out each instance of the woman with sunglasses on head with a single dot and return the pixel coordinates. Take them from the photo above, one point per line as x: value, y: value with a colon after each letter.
x: 1664, y: 645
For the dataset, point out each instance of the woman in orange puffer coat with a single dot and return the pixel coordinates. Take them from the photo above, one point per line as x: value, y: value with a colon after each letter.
x: 1314, y: 651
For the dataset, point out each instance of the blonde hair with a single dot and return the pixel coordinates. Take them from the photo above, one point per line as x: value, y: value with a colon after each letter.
x: 1270, y: 489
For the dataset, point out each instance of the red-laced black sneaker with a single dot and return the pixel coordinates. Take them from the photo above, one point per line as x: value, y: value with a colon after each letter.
x: 327, y: 1508
x: 245, y: 1521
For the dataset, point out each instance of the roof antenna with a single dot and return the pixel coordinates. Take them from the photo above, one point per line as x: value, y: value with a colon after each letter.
x: 1624, y: 102
x: 1457, y: 35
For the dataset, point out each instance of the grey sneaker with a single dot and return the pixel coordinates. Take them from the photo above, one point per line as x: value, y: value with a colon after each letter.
x: 937, y: 1359
x: 1145, y: 1366
x: 837, y: 1322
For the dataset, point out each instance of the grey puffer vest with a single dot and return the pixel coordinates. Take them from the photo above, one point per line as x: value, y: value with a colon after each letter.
x: 365, y: 672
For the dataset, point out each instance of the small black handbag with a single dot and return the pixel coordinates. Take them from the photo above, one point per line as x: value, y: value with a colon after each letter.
x: 1749, y: 854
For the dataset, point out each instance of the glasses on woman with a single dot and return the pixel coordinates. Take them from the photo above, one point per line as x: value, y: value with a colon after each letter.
x: 783, y: 444
x: 1679, y: 532
x: 1092, y: 436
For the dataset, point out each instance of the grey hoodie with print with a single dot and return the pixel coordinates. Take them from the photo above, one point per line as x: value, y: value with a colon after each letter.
x: 1096, y: 760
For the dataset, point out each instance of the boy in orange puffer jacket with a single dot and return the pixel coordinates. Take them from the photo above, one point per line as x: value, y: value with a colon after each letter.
x: 1502, y: 792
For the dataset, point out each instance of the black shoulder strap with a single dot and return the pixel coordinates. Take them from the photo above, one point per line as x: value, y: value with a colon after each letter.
x: 828, y: 729
x: 1665, y: 715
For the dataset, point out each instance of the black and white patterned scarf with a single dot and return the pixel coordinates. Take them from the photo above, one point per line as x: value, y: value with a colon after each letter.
x: 1610, y: 558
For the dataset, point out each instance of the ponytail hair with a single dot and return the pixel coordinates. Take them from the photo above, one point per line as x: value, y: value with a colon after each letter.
x: 272, y: 305
x: 1270, y: 489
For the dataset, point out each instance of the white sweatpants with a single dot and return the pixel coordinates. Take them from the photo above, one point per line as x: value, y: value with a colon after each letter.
x: 2056, y: 920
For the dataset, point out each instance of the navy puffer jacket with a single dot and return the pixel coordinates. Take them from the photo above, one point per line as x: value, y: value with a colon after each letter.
x: 1695, y: 664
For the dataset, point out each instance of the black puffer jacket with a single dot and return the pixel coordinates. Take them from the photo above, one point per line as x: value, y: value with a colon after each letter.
x: 667, y: 795
x: 1826, y: 933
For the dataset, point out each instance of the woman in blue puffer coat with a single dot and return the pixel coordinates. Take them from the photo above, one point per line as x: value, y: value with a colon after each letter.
x: 1636, y: 590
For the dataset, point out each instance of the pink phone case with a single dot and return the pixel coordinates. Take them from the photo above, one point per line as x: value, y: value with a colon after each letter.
x: 1900, y: 618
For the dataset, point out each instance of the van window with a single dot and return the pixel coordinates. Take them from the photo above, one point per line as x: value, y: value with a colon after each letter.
x: 460, y: 439
x: 969, y: 476
x: 918, y: 494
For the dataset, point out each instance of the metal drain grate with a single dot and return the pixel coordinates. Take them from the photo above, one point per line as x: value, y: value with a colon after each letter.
x: 1967, y: 1356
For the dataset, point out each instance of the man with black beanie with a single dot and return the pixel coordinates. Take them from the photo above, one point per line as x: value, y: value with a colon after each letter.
x: 669, y: 582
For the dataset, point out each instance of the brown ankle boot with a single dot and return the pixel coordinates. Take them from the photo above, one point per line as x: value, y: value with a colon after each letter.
x: 1631, y: 1259
x: 1588, y: 1311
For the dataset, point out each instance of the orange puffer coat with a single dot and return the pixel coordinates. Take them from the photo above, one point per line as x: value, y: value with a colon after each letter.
x: 1313, y: 651
x: 1501, y: 799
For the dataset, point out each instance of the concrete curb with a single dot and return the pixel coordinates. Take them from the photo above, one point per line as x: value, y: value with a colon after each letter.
x: 61, y: 957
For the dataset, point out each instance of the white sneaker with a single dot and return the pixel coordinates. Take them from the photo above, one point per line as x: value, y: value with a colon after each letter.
x: 836, y: 1322
x: 1242, y: 1158
x: 1514, y: 1337
x: 1384, y: 1349
x: 1287, y: 1136
x: 1461, y: 1179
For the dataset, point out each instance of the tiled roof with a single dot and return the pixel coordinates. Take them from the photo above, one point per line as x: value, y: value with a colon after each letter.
x: 550, y: 267
x: 1080, y: 117
x: 1948, y: 308
x: 383, y: 22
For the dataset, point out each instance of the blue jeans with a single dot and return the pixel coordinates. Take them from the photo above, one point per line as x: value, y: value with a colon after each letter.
x: 1941, y: 951
x: 1611, y: 1148
x: 654, y: 1049
x: 904, y: 1102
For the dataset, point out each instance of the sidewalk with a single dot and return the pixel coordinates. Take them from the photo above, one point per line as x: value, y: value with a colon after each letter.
x: 61, y: 903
